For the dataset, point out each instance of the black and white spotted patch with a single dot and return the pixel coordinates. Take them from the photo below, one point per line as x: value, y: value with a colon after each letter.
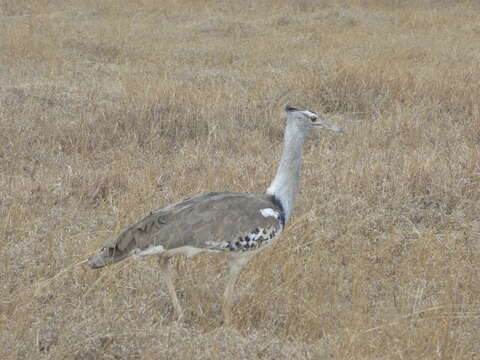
x: 251, y: 241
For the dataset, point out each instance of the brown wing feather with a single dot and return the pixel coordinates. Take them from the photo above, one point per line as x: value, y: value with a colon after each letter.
x: 196, y: 222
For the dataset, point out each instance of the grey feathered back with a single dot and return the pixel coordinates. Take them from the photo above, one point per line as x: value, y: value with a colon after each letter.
x: 215, y: 220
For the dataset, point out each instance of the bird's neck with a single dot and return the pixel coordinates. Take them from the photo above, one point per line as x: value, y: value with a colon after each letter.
x: 285, y: 184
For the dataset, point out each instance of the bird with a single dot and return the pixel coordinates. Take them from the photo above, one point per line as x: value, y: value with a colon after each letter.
x: 238, y: 224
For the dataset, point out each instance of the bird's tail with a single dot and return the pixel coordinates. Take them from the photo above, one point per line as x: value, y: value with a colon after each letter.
x: 108, y: 255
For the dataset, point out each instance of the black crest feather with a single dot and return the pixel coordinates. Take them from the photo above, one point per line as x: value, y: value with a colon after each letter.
x: 291, y: 108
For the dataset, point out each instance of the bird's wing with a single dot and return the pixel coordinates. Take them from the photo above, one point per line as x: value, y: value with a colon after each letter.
x: 215, y: 220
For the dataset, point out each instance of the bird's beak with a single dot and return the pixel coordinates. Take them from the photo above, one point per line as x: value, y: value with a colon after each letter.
x: 322, y: 124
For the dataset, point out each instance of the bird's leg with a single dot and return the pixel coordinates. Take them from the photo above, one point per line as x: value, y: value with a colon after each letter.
x: 167, y: 274
x: 228, y: 295
x: 237, y: 262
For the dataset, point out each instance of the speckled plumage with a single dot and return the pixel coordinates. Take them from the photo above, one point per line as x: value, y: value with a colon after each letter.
x: 215, y: 221
x: 251, y: 241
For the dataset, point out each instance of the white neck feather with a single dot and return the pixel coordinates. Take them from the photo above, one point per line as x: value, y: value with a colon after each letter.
x: 285, y: 184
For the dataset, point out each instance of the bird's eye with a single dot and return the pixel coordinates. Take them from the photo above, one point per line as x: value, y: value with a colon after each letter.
x: 313, y: 119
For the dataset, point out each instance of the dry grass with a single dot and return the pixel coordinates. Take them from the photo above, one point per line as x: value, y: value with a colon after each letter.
x: 112, y: 108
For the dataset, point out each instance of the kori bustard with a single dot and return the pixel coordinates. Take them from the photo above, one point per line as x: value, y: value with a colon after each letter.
x: 238, y: 224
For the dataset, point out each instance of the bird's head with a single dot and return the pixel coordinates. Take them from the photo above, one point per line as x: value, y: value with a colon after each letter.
x: 306, y: 120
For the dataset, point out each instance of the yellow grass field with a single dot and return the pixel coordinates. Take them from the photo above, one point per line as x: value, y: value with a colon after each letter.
x: 112, y: 108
